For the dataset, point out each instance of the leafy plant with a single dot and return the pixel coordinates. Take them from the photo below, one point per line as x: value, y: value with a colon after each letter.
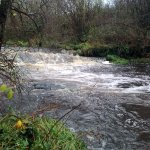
x: 27, y: 133
x: 7, y: 91
x: 22, y: 43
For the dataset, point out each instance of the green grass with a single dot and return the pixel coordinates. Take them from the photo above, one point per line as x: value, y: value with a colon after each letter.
x: 117, y: 60
x: 38, y: 134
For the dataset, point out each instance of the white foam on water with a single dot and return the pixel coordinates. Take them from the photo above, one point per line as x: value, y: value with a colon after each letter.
x: 106, y: 63
x: 69, y: 68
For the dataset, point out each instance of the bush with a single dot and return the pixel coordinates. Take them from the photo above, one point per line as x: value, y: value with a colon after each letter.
x: 10, y: 43
x: 117, y: 60
x: 7, y: 91
x: 17, y: 43
x: 27, y: 133
x: 22, y: 43
x: 100, y: 51
x: 80, y: 46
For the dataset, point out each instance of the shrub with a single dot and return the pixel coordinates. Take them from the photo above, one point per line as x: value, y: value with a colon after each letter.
x: 80, y: 46
x: 10, y: 43
x: 117, y: 60
x: 6, y: 91
x: 95, y: 51
x: 22, y: 43
x: 17, y: 43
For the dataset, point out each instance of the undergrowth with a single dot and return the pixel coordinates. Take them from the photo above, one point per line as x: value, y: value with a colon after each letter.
x: 27, y: 133
x: 117, y: 60
x: 124, y: 61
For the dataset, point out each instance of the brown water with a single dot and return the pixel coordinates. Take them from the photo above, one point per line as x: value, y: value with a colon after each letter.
x: 115, y: 100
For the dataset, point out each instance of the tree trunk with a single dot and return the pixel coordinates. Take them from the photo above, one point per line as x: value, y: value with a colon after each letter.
x: 4, y: 7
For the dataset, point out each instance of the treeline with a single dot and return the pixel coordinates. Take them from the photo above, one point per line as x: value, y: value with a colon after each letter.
x: 122, y: 27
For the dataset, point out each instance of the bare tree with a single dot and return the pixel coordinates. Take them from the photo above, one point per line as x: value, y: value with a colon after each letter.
x: 79, y: 13
x: 32, y: 12
x: 135, y: 14
x: 5, y: 5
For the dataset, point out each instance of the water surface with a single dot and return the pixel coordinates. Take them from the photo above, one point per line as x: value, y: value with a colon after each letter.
x: 115, y: 99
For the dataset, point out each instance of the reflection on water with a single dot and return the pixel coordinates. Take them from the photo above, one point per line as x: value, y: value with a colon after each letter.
x: 115, y: 110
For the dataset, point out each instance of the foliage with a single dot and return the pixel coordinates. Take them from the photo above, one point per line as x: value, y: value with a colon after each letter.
x: 54, y: 44
x: 74, y: 46
x: 24, y: 132
x: 20, y: 43
x: 95, y: 51
x: 117, y: 60
x: 124, y: 23
x: 132, y: 61
x: 80, y: 46
x: 140, y: 61
x: 10, y: 43
x: 8, y: 69
x: 7, y: 91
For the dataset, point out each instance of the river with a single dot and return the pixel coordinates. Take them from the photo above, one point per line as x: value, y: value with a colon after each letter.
x: 115, y: 99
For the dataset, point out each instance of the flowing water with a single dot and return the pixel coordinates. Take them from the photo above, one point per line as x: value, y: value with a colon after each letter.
x: 115, y: 99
